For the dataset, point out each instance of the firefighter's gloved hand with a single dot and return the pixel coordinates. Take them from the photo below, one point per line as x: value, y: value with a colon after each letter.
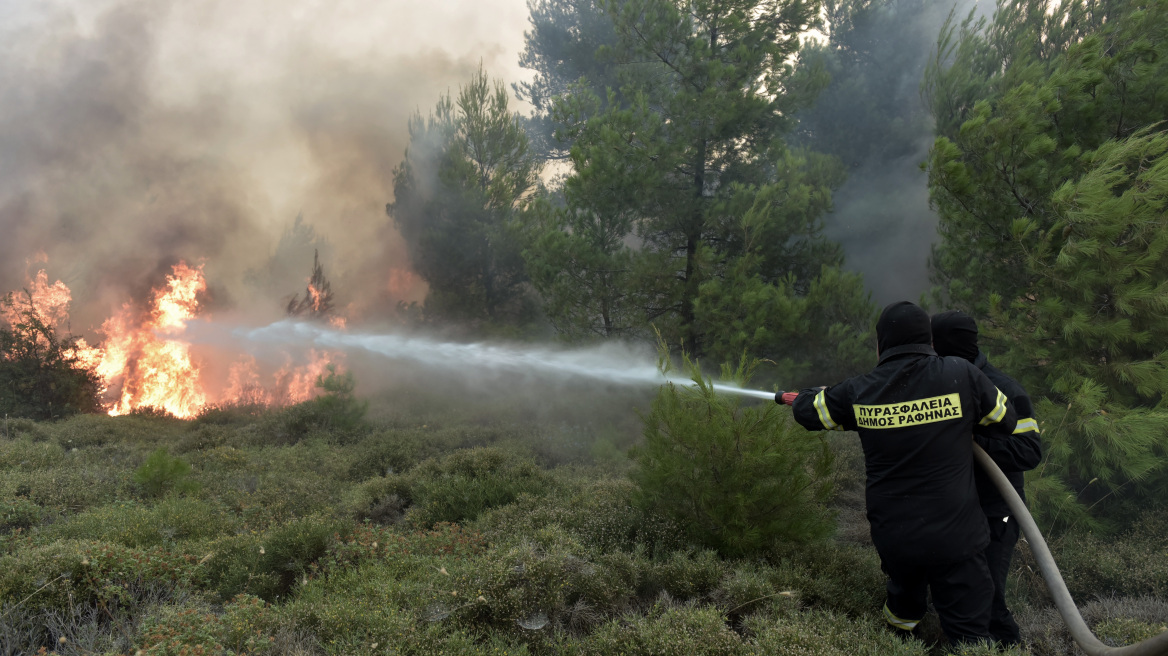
x: 786, y: 398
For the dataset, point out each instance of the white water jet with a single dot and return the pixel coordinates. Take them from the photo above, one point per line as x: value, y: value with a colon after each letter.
x: 612, y: 363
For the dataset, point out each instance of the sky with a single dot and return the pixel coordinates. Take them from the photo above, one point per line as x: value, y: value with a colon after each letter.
x: 134, y: 133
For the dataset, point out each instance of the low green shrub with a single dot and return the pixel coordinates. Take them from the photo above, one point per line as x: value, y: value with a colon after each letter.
x: 161, y: 473
x: 354, y: 610
x: 1130, y: 564
x: 68, y: 572
x: 823, y: 633
x: 16, y: 427
x: 19, y: 512
x: 684, y: 576
x: 666, y: 631
x: 133, y: 524
x: 268, y: 565
x: 367, y: 543
x: 463, y: 484
x: 386, y: 453
x: 67, y: 490
x: 23, y: 453
x: 527, y: 584
x: 90, y: 430
x: 600, y: 514
x: 381, y: 500
x: 842, y: 578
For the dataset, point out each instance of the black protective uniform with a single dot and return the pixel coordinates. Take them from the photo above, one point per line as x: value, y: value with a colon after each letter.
x: 955, y: 333
x: 916, y: 413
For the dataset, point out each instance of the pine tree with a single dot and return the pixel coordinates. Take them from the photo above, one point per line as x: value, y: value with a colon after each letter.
x: 1051, y: 182
x: 466, y: 175
x: 736, y: 478
x: 663, y: 178
x: 317, y: 302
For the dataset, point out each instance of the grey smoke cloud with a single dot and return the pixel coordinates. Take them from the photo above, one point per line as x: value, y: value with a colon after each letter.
x: 137, y: 132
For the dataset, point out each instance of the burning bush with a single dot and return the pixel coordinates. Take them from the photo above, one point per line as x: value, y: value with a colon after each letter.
x: 736, y: 478
x: 40, y: 374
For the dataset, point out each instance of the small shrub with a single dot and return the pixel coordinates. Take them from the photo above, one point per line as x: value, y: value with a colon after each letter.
x: 19, y: 513
x: 823, y: 633
x: 382, y: 500
x: 25, y: 454
x: 67, y: 572
x: 161, y: 473
x: 189, y: 631
x: 269, y: 564
x: 71, y: 489
x: 684, y: 576
x: 385, y: 454
x: 133, y: 524
x: 463, y: 484
x: 1132, y: 563
x: 599, y: 514
x: 666, y: 631
x: 735, y: 478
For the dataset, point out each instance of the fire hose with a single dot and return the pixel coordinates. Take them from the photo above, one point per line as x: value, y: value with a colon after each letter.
x: 1154, y: 646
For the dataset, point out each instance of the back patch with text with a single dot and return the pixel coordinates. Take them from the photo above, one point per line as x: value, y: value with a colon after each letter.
x: 909, y: 413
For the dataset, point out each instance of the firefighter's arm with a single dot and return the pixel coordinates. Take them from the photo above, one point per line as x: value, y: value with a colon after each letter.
x: 823, y: 408
x: 993, y: 410
x: 1020, y: 450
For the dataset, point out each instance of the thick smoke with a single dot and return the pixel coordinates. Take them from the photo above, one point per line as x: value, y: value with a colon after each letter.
x: 138, y: 132
x: 873, y: 117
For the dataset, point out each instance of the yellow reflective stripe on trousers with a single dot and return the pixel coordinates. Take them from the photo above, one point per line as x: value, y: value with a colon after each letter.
x: 1026, y: 425
x: 997, y: 413
x: 907, y: 625
x: 824, y: 415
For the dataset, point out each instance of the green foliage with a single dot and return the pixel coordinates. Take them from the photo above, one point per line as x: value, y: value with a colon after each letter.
x: 19, y: 513
x: 173, y: 519
x: 40, y: 374
x: 1050, y: 177
x: 667, y: 631
x: 244, y: 627
x: 337, y: 406
x: 735, y: 478
x: 268, y: 565
x: 1130, y: 564
x: 66, y: 572
x: 683, y: 190
x: 466, y: 173
x: 463, y: 484
x: 823, y: 633
x: 161, y: 473
x: 563, y: 48
x: 599, y: 515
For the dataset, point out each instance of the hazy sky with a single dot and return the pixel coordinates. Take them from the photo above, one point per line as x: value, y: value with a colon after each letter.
x: 135, y: 132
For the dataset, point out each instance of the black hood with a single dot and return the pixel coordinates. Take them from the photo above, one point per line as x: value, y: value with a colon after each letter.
x: 902, y: 323
x: 955, y: 333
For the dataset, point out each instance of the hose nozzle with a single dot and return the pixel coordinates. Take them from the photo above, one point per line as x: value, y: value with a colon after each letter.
x: 785, y: 398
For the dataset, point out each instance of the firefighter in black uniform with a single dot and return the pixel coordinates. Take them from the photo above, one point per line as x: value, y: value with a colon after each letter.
x: 916, y: 414
x: 955, y: 334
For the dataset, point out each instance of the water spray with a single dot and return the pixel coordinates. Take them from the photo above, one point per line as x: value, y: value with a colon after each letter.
x: 610, y: 363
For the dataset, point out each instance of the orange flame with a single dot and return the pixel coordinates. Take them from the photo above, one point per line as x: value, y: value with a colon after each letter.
x: 152, y: 365
x: 143, y: 361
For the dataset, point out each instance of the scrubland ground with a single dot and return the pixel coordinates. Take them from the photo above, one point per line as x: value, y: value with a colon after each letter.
x: 442, y: 528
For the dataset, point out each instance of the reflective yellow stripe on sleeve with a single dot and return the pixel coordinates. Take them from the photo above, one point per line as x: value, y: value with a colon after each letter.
x: 824, y: 415
x: 997, y: 413
x: 907, y: 625
x: 1026, y: 425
